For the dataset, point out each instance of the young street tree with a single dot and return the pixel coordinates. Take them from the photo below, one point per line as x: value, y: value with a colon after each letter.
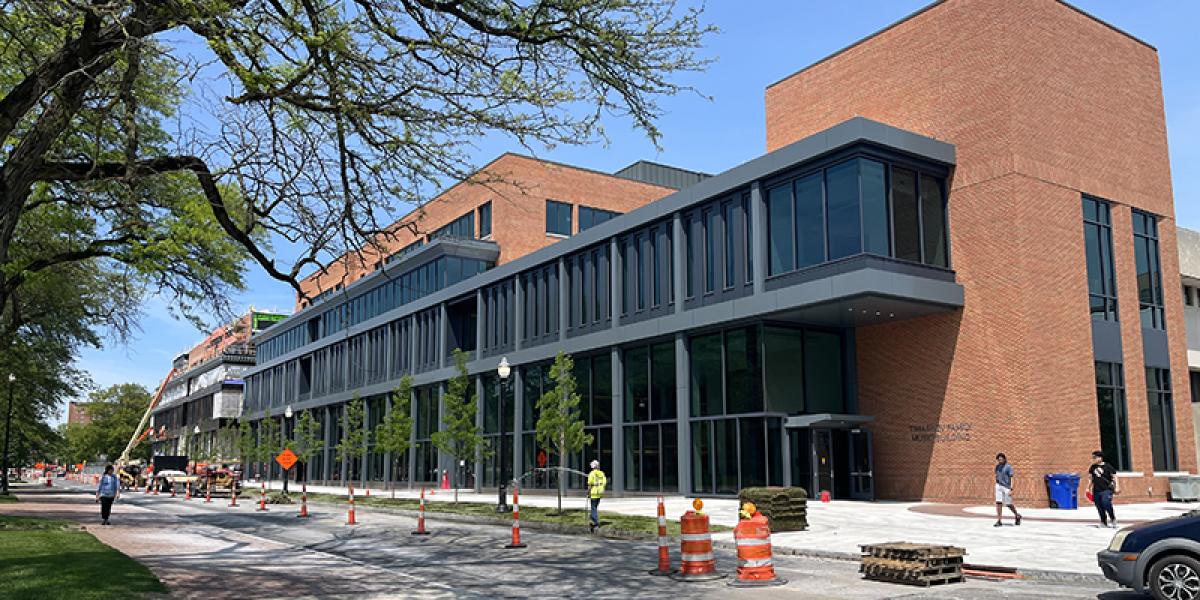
x: 177, y: 137
x: 269, y: 444
x: 394, y: 433
x: 560, y: 424
x: 308, y: 441
x: 355, y: 437
x: 459, y: 436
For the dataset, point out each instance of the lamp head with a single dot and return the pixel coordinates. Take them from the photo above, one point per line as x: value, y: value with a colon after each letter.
x: 287, y: 412
x: 503, y: 369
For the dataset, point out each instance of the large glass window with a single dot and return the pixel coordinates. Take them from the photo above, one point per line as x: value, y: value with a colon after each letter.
x: 731, y: 454
x: 706, y: 387
x: 874, y: 207
x: 558, y: 218
x: 842, y: 201
x: 637, y: 384
x: 1149, y: 270
x: 1114, y: 426
x: 810, y: 221
x: 639, y: 246
x: 710, y: 250
x: 785, y: 382
x: 933, y: 221
x: 727, y: 227
x: 1097, y: 236
x: 822, y: 359
x: 689, y: 272
x: 906, y: 215
x: 748, y: 239
x: 743, y: 371
x: 590, y: 217
x: 462, y: 227
x: 779, y: 230
x: 1162, y: 419
x: 662, y: 381
x: 485, y: 220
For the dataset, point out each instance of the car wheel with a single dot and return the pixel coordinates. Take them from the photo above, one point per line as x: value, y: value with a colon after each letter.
x: 1175, y: 578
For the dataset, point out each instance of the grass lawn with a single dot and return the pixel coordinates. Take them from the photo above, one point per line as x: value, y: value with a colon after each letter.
x: 44, y: 558
x: 570, y: 516
x: 7, y: 498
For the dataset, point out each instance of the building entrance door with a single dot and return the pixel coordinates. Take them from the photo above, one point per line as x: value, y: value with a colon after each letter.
x: 823, y: 463
x: 832, y: 453
x: 862, y: 475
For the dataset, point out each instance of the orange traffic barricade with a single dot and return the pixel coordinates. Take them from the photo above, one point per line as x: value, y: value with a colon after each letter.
x: 696, y: 559
x: 756, y: 567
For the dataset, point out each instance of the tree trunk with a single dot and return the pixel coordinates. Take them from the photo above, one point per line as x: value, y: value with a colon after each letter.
x: 7, y: 437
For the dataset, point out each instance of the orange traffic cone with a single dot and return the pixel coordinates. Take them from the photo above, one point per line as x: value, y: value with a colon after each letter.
x: 303, y: 500
x: 187, y: 492
x: 421, y: 516
x: 208, y: 494
x: 664, y: 551
x: 516, y: 528
x: 172, y: 490
x: 445, y: 480
x: 350, y: 520
x: 368, y: 492
x: 233, y: 495
x: 262, y: 499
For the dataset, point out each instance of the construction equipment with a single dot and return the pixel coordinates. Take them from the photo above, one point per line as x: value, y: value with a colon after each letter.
x: 135, y: 439
x: 221, y: 479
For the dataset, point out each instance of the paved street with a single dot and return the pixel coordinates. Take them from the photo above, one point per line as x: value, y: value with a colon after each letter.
x: 1048, y: 540
x: 214, y: 552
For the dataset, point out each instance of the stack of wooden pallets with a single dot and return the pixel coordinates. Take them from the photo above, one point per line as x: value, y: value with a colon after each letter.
x: 913, y: 564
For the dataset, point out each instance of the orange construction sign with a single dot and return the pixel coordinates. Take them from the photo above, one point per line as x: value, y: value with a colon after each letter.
x: 287, y: 459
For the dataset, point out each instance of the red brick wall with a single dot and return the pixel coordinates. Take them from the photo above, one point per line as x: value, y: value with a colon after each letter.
x: 1043, y: 103
x: 518, y: 187
x: 77, y: 413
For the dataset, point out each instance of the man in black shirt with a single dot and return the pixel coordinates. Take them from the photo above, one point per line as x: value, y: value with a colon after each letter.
x: 1102, y: 484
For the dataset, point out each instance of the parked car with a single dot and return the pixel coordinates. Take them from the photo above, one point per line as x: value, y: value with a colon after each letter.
x: 1160, y: 557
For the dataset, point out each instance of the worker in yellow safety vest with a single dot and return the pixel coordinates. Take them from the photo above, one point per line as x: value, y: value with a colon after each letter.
x: 596, y: 483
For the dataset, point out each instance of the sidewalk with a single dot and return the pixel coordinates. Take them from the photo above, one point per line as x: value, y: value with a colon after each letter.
x: 1047, y: 540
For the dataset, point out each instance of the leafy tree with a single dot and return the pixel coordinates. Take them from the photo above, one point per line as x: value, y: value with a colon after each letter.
x: 355, y: 437
x: 269, y: 443
x: 328, y: 113
x: 395, y: 432
x: 308, y: 441
x: 115, y: 413
x: 560, y: 423
x: 247, y: 445
x: 459, y: 436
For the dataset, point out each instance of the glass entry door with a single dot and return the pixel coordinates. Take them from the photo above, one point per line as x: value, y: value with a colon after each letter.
x: 822, y: 462
x: 862, y: 475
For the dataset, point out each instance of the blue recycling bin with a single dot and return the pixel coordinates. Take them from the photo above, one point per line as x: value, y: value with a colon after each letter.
x: 1064, y: 490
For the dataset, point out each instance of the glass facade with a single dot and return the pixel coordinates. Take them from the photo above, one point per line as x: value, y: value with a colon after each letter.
x: 1114, y: 424
x: 1102, y: 279
x: 845, y: 209
x: 1162, y: 419
x: 1149, y: 270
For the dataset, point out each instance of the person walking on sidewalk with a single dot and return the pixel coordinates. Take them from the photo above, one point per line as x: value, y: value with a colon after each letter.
x: 1004, y: 476
x: 1102, y: 485
x: 596, y: 482
x: 107, y: 492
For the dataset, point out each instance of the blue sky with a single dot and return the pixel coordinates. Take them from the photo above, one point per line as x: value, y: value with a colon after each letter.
x: 760, y: 42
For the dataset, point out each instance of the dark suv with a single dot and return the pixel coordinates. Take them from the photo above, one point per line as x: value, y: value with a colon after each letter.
x: 1160, y: 557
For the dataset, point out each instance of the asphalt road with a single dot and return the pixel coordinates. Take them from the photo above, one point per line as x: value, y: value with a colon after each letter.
x: 212, y: 551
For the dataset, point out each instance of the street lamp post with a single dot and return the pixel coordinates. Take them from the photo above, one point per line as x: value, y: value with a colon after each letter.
x: 287, y: 416
x: 12, y: 379
x: 503, y: 370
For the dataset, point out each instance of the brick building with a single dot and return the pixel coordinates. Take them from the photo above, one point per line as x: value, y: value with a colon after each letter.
x: 952, y: 248
x: 77, y: 412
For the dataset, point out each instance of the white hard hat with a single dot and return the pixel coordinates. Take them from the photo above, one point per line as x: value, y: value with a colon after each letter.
x: 595, y: 464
